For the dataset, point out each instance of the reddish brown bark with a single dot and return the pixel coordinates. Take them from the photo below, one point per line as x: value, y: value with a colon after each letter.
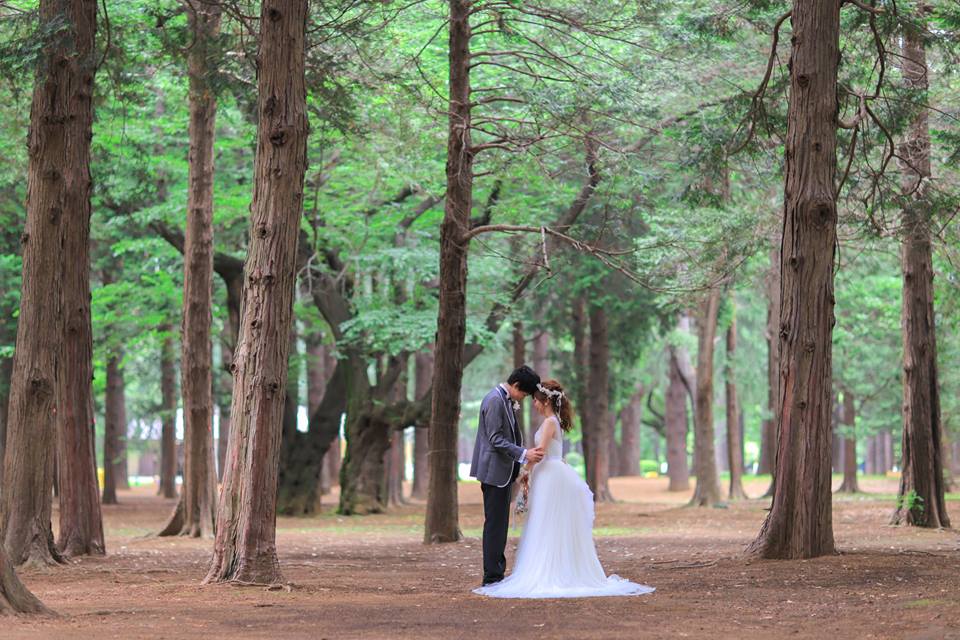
x: 734, y: 440
x: 245, y: 546
x: 442, y: 515
x: 195, y: 513
x: 114, y: 428
x: 168, y: 433
x: 799, y: 524
x: 597, y: 452
x: 319, y: 370
x: 849, y: 484
x: 706, y: 493
x: 676, y: 423
x: 14, y: 597
x: 58, y: 185
x: 921, y: 495
x: 6, y: 369
x: 631, y: 417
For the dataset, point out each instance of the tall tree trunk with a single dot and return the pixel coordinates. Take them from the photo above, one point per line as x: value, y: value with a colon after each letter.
x: 168, y: 434
x: 14, y: 597
x: 849, y: 484
x: 81, y: 525
x: 676, y: 423
x: 519, y: 359
x: 613, y: 447
x: 6, y: 369
x: 922, y: 466
x: 581, y: 359
x: 768, y: 433
x: 421, y: 447
x: 317, y: 376
x: 195, y: 513
x: 245, y: 546
x: 598, y: 452
x: 870, y: 461
x: 707, y: 490
x: 442, y: 510
x: 734, y: 441
x: 630, y: 422
x: 58, y: 185
x: 799, y: 524
x: 223, y: 395
x: 114, y: 425
x: 395, y: 461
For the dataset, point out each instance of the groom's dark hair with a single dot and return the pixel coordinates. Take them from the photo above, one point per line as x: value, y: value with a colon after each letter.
x: 525, y: 378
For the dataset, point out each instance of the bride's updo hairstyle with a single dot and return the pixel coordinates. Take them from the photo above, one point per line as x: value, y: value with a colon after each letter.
x: 551, y: 393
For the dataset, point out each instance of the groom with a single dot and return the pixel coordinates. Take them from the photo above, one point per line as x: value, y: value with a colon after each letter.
x: 497, y: 457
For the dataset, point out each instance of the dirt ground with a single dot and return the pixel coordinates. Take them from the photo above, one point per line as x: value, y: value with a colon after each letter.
x: 370, y: 577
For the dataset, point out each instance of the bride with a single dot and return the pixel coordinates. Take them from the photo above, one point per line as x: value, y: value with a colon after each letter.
x: 556, y: 557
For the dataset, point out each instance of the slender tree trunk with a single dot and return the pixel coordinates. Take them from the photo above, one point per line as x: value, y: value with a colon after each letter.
x: 768, y: 434
x: 598, y: 458
x: 245, y: 546
x: 223, y: 395
x: 195, y: 513
x: 630, y: 422
x: 870, y: 461
x: 707, y: 490
x: 421, y: 465
x: 519, y: 359
x: 114, y: 424
x: 442, y: 511
x: 799, y: 524
x: 581, y: 358
x: 676, y: 423
x: 734, y: 441
x: 316, y: 384
x: 395, y: 461
x: 922, y: 466
x: 849, y: 484
x: 58, y: 198
x: 168, y: 434
x: 613, y: 447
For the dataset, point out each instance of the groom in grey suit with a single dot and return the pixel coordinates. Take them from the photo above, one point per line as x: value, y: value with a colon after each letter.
x: 497, y: 457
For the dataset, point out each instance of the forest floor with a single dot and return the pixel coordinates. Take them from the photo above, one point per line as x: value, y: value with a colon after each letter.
x: 370, y: 577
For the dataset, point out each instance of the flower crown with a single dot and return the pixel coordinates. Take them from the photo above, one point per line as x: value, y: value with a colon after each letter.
x: 551, y: 393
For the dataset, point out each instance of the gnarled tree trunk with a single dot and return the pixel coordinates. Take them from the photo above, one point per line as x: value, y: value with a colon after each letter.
x: 707, y: 490
x: 734, y: 439
x: 799, y: 524
x: 245, y: 546
x: 920, y: 499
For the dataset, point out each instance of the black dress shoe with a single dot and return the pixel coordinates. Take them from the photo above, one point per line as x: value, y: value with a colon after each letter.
x: 487, y: 581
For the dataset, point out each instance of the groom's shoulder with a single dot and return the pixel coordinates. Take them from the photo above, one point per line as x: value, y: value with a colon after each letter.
x: 491, y: 396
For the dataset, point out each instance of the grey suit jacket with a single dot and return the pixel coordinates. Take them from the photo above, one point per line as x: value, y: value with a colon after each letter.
x: 498, y: 448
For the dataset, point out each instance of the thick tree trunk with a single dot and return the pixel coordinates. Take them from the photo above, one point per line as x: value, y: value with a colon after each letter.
x: 245, y: 546
x: 6, y: 369
x: 849, y: 484
x: 394, y: 459
x: 195, y: 514
x: 734, y: 438
x: 421, y: 447
x: 81, y: 525
x: 58, y: 197
x: 598, y: 452
x: 168, y: 434
x: 707, y: 490
x: 318, y: 373
x: 631, y: 417
x: 14, y: 597
x: 768, y: 433
x: 676, y: 423
x: 799, y: 524
x: 922, y: 467
x: 114, y: 427
x: 442, y: 517
x: 223, y: 395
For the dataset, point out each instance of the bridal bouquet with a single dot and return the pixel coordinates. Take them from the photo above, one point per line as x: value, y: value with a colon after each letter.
x: 523, y: 495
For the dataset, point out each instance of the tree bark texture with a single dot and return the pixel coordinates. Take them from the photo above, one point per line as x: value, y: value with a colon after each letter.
x: 58, y: 185
x: 706, y: 493
x: 442, y: 517
x: 921, y: 495
x: 245, y: 545
x: 631, y: 417
x: 423, y: 362
x: 676, y: 418
x: 799, y: 524
x: 734, y: 437
x: 768, y: 434
x: 195, y: 514
x: 168, y: 433
x: 114, y: 428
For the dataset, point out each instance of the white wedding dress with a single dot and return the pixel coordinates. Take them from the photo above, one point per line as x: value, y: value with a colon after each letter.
x: 556, y: 557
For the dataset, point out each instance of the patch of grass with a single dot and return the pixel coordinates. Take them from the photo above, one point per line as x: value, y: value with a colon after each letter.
x: 926, y: 602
